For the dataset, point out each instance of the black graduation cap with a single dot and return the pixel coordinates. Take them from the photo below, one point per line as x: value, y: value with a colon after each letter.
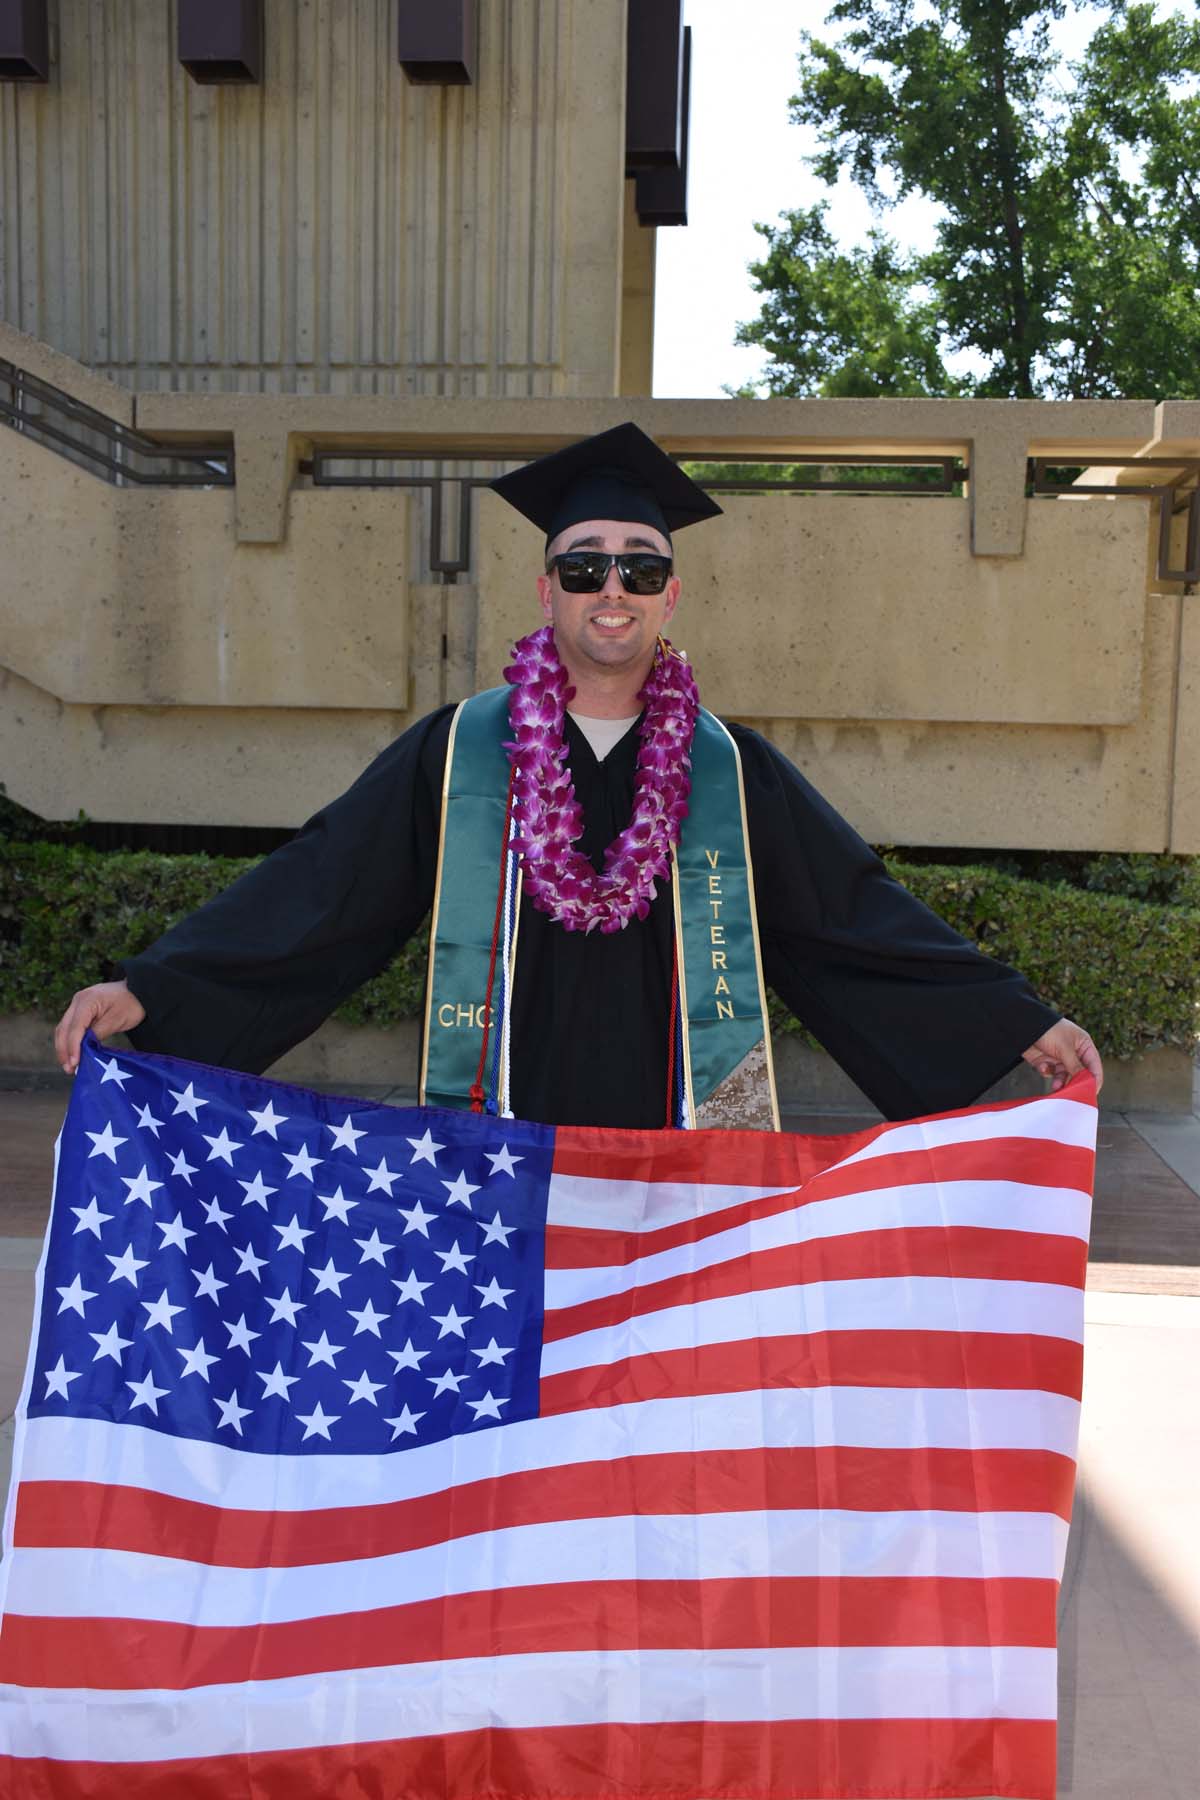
x: 618, y: 474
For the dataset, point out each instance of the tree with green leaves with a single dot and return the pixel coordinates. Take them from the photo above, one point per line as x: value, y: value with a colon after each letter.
x: 1067, y: 247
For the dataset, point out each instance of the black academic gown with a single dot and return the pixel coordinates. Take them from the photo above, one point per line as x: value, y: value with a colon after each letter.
x: 916, y: 1015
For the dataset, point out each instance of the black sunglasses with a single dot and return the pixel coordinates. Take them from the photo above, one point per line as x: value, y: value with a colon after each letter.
x: 586, y: 571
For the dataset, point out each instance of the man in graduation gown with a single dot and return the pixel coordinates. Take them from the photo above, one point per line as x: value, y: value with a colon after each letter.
x: 915, y: 1014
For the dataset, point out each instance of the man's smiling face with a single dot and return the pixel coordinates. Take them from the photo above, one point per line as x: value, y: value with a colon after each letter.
x: 611, y: 630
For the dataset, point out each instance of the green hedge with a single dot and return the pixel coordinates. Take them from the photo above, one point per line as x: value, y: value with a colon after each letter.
x: 1128, y: 969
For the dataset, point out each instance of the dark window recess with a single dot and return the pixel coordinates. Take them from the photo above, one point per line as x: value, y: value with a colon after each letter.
x: 437, y: 41
x: 661, y: 194
x: 24, y: 41
x: 221, y: 40
x: 653, y: 85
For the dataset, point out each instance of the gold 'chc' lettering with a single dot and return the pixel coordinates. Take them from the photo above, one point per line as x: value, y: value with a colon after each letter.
x: 450, y: 1015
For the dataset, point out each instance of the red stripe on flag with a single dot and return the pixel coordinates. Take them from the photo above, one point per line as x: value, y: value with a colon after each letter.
x: 71, y: 1514
x: 820, y: 1759
x: 779, y: 1613
x: 1029, y: 1161
x: 957, y: 1250
x: 920, y: 1359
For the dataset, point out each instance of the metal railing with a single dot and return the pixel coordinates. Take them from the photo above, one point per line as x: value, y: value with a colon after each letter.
x: 1173, y: 497
x: 93, y: 441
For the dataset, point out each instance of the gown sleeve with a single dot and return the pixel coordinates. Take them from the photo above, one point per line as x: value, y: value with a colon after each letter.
x: 240, y: 981
x: 919, y: 1017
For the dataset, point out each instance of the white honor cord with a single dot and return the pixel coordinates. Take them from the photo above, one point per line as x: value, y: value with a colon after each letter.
x: 510, y: 884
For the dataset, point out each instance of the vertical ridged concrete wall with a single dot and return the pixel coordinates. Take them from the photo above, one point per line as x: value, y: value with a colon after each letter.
x: 333, y: 229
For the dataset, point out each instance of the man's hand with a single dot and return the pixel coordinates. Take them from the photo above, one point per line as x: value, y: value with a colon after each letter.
x: 107, y: 1008
x: 1062, y: 1051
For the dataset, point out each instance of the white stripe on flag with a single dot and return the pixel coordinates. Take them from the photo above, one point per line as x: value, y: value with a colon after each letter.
x: 565, y: 1688
x: 906, y: 1303
x: 995, y: 1205
x: 665, y: 1547
x: 892, y: 1418
x: 1053, y: 1120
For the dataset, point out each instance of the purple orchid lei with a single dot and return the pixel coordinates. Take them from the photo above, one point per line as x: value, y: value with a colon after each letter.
x: 559, y: 880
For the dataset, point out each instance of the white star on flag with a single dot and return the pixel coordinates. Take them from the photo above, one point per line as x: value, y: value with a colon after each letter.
x: 276, y: 1382
x: 382, y: 1177
x: 221, y: 1147
x: 373, y: 1248
x: 284, y: 1307
x: 452, y: 1322
x: 59, y: 1379
x: 240, y: 1334
x: 146, y: 1394
x: 256, y: 1191
x: 418, y: 1219
x: 317, y: 1423
x: 249, y: 1263
x: 266, y: 1119
x: 197, y: 1361
x: 405, y: 1420
x: 364, y: 1388
x: 113, y: 1072
x: 345, y: 1136
x: 174, y: 1231
x: 492, y: 1353
x: 232, y: 1413
x: 502, y: 1161
x: 453, y: 1258
x: 446, y: 1382
x: 208, y: 1284
x: 187, y: 1102
x: 329, y: 1280
x: 459, y: 1191
x: 408, y: 1358
x: 321, y: 1350
x: 110, y: 1343
x: 496, y: 1233
x: 367, y: 1319
x: 493, y: 1294
x: 337, y: 1206
x: 147, y: 1120
x: 302, y: 1161
x: 90, y: 1218
x: 126, y: 1266
x: 424, y: 1150
x: 183, y: 1168
x: 215, y: 1214
x: 488, y: 1407
x: 291, y: 1235
x: 104, y: 1143
x: 160, y: 1312
x: 141, y: 1188
x: 75, y: 1297
x: 410, y: 1288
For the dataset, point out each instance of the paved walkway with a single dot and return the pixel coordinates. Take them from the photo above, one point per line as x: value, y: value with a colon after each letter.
x: 1130, y: 1612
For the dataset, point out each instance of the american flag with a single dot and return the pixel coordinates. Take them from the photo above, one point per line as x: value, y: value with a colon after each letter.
x: 367, y: 1451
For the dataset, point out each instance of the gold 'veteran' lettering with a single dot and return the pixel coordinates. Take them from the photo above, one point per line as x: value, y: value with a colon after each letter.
x: 716, y: 935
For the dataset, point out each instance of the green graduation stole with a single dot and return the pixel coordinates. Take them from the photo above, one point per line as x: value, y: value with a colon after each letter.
x: 725, y: 1039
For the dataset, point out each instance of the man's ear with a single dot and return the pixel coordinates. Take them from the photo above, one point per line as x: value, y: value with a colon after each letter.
x: 672, y: 597
x: 544, y: 595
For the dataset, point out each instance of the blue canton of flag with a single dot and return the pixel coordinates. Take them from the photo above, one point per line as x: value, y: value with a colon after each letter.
x: 256, y: 1265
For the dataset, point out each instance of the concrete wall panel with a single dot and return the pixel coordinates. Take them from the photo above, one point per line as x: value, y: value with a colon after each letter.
x: 144, y: 597
x: 202, y: 765
x: 1185, y: 809
x: 823, y: 606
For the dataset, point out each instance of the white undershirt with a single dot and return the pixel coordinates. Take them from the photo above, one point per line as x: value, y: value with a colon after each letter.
x: 603, y: 734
